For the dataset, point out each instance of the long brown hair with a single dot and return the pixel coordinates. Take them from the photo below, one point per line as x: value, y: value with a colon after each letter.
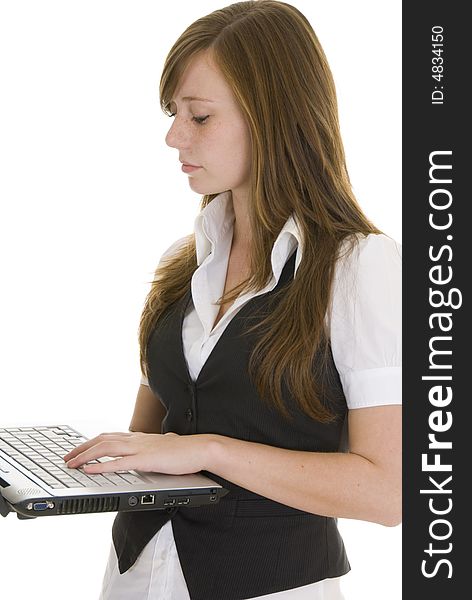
x: 272, y: 60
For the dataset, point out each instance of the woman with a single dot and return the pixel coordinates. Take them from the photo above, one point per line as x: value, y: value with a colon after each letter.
x: 270, y: 339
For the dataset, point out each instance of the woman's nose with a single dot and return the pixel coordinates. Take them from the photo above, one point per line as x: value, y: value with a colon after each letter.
x: 176, y: 136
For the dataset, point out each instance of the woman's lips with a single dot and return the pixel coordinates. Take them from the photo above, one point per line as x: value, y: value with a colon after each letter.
x: 189, y: 168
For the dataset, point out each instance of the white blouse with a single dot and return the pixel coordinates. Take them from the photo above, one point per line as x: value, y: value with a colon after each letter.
x: 365, y: 329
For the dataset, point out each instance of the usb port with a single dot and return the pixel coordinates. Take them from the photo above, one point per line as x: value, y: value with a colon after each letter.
x: 183, y: 501
x: 169, y: 502
x: 148, y: 499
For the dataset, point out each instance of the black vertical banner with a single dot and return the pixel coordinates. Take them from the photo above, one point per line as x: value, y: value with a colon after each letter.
x: 437, y: 241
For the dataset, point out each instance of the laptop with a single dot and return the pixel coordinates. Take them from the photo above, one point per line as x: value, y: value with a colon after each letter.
x: 36, y: 482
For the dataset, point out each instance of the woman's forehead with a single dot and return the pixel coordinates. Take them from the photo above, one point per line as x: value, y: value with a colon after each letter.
x: 202, y: 81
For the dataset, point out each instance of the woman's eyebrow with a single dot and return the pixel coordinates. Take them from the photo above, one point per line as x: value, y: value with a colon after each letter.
x: 190, y: 98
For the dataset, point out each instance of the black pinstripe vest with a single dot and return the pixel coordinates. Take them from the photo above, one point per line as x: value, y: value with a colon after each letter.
x: 246, y: 545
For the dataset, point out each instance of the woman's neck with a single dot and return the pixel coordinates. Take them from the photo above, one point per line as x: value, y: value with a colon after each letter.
x: 242, y: 234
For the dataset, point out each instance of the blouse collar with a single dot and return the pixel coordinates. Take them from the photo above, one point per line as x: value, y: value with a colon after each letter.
x: 215, y: 222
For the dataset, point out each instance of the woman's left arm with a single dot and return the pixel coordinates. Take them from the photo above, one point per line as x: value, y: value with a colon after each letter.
x: 364, y: 483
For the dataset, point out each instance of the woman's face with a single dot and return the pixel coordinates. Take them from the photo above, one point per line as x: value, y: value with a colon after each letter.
x: 211, y: 132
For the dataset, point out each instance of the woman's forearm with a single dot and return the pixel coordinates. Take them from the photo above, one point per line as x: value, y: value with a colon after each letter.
x: 326, y: 483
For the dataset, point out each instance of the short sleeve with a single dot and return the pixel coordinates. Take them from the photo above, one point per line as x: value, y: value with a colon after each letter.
x: 174, y: 248
x: 366, y: 322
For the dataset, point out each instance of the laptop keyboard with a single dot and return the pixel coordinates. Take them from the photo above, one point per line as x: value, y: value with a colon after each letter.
x: 41, y: 451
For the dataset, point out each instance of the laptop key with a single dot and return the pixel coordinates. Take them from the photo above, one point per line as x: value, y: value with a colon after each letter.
x: 115, y: 479
x: 70, y: 483
x: 132, y: 478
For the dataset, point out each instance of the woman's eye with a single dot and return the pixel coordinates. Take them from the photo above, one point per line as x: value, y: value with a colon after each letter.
x: 200, y: 120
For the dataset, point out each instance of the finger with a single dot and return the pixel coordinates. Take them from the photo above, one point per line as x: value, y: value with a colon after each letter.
x: 89, y: 443
x: 100, y: 449
x: 119, y: 464
x: 79, y: 449
x: 109, y: 448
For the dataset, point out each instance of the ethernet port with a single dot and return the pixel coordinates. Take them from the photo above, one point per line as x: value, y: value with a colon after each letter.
x: 148, y: 499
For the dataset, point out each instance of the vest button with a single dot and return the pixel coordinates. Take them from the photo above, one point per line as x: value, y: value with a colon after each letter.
x: 189, y: 414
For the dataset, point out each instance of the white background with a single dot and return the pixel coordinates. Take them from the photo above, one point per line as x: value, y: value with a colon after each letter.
x: 90, y: 198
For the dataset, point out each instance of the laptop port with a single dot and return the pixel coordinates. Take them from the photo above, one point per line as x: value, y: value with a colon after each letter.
x: 43, y: 505
x: 169, y: 502
x: 212, y: 498
x: 183, y: 501
x: 148, y: 499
